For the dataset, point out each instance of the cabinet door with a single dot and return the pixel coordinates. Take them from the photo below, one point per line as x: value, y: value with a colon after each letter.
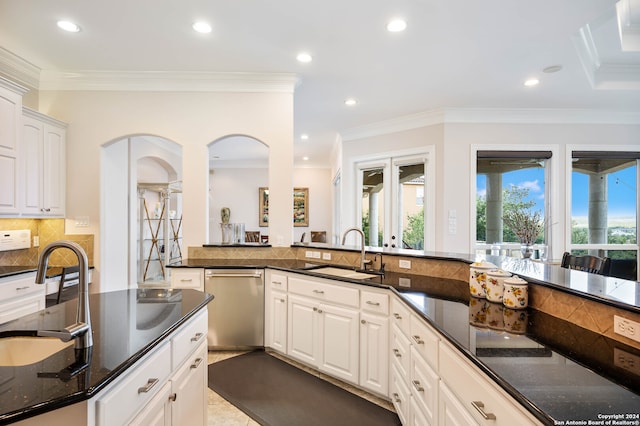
x: 374, y: 350
x: 32, y: 136
x: 450, y: 410
x: 54, y: 179
x: 187, y: 278
x: 339, y: 342
x: 400, y: 394
x: 424, y: 386
x: 276, y: 324
x: 10, y: 113
x: 157, y: 412
x: 189, y: 386
x: 302, y: 337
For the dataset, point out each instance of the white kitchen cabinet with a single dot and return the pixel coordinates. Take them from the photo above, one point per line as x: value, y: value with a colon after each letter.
x: 20, y: 296
x: 424, y: 386
x: 10, y: 124
x: 276, y: 311
x: 192, y: 278
x: 158, y: 411
x: 188, y: 401
x: 374, y: 341
x: 322, y: 334
x: 451, y: 411
x: 43, y: 152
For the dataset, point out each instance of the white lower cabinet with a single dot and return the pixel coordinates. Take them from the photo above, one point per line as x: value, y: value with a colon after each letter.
x: 158, y: 411
x: 192, y: 278
x: 20, y: 296
x: 451, y: 411
x: 188, y: 402
x: 374, y: 353
x: 275, y: 331
x: 424, y: 386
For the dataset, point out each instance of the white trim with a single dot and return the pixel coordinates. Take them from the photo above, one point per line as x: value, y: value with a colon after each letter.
x: 19, y: 68
x: 161, y: 81
x: 28, y: 112
x: 13, y: 87
x: 491, y: 115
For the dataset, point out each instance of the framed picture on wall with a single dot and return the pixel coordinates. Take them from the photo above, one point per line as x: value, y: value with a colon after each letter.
x: 300, y: 206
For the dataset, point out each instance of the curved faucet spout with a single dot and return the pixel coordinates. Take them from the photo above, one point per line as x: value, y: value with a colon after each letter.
x: 81, y: 330
x: 359, y: 231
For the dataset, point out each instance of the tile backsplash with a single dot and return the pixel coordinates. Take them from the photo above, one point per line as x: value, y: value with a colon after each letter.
x: 48, y: 230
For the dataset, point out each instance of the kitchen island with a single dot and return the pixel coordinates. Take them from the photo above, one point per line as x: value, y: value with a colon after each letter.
x: 130, y: 328
x: 555, y: 369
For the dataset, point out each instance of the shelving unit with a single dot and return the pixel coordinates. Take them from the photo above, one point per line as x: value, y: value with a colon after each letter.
x: 159, y: 230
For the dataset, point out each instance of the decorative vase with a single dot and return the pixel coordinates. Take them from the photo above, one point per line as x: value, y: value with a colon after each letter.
x: 526, y: 250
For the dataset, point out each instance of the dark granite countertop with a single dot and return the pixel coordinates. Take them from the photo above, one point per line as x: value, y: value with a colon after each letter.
x: 555, y: 369
x: 126, y: 325
x: 9, y: 271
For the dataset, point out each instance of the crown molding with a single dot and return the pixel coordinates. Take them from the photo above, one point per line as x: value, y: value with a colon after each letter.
x: 491, y: 116
x: 19, y: 69
x: 165, y: 81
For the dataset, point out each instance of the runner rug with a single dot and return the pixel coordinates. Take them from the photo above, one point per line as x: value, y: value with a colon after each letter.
x: 275, y: 393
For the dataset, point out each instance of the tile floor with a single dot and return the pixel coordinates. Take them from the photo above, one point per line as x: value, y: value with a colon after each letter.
x: 222, y: 413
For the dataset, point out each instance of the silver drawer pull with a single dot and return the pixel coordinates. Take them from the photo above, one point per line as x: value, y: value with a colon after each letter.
x: 196, y: 363
x: 150, y: 384
x: 418, y: 340
x: 397, y: 316
x: 186, y: 280
x: 479, y: 405
x: 282, y: 300
x: 22, y: 288
x: 318, y: 291
x: 396, y: 398
x: 197, y: 337
x: 397, y: 353
x: 369, y: 302
x: 319, y: 311
x: 363, y: 322
x: 418, y: 386
x: 276, y: 282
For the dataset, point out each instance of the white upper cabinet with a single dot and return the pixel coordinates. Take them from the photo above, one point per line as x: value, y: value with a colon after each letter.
x: 10, y: 120
x: 43, y: 152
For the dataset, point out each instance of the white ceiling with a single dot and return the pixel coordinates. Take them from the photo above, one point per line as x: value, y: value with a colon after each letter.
x: 454, y: 53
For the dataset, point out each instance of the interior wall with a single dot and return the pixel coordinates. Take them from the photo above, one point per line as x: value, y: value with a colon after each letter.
x: 192, y: 120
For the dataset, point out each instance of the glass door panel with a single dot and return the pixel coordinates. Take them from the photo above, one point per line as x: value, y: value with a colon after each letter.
x: 373, y: 201
x: 409, y: 183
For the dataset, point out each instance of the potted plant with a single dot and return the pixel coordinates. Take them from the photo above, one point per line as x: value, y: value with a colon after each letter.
x: 527, y: 225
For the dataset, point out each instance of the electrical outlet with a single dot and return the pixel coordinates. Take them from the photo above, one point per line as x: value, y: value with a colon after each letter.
x: 629, y: 362
x: 626, y: 328
x: 404, y: 282
x: 326, y: 256
x: 308, y: 253
x: 405, y: 264
x: 36, y: 241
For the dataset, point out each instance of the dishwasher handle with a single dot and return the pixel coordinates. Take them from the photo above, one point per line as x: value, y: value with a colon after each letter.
x: 228, y: 275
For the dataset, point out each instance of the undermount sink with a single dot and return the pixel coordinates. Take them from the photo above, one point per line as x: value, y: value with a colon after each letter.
x: 18, y: 351
x: 344, y: 273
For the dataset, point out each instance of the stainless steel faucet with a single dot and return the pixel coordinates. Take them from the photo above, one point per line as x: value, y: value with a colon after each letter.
x: 81, y: 330
x: 363, y: 261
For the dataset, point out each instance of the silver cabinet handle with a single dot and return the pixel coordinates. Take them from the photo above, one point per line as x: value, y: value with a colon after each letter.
x: 363, y: 322
x: 185, y: 280
x: 418, y: 386
x: 150, y: 384
x: 396, y: 398
x: 319, y: 311
x: 397, y: 353
x: 22, y: 288
x: 418, y: 340
x: 369, y: 302
x: 196, y: 363
x: 479, y: 405
x: 318, y: 291
x: 397, y: 316
x: 197, y: 337
x: 315, y: 309
x: 276, y: 282
x: 282, y: 300
x: 173, y: 397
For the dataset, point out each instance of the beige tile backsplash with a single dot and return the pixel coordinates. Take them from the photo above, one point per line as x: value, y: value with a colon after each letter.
x: 48, y: 230
x: 586, y: 313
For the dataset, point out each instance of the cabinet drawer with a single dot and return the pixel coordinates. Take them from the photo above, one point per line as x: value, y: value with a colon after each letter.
x: 278, y: 282
x: 122, y: 401
x: 400, y: 351
x: 471, y: 387
x: 425, y: 341
x: 326, y: 292
x: 187, y: 278
x: 17, y: 287
x: 371, y: 301
x: 400, y: 315
x: 424, y: 386
x: 400, y: 395
x: 188, y: 339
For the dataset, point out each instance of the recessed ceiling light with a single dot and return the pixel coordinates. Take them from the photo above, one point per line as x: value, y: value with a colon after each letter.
x: 552, y: 69
x: 201, y: 27
x: 304, y: 136
x: 531, y: 82
x: 350, y: 102
x: 68, y: 26
x: 396, y: 26
x: 304, y: 57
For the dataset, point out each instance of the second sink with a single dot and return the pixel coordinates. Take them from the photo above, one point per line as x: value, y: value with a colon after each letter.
x: 17, y: 351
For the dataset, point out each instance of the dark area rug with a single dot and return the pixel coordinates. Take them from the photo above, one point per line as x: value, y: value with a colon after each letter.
x: 274, y: 393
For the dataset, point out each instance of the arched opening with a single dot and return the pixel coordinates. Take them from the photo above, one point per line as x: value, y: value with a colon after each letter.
x: 238, y: 168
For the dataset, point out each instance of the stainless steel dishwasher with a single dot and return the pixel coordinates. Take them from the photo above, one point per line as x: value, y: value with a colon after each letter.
x: 236, y: 314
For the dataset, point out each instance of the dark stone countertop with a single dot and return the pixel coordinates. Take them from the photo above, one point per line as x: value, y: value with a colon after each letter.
x: 555, y: 369
x: 126, y: 325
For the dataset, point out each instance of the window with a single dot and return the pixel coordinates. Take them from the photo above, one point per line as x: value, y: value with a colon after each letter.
x: 604, y: 208
x: 506, y: 181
